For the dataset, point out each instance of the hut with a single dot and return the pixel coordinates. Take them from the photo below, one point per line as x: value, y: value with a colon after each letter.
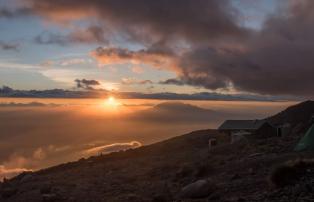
x: 260, y: 128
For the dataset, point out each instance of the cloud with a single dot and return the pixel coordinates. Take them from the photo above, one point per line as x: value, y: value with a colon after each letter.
x: 133, y: 81
x: 17, y: 164
x: 172, y: 82
x: 73, y: 61
x: 137, y: 70
x: 268, y: 61
x: 86, y: 84
x: 91, y: 34
x: 11, y: 172
x: 192, y: 19
x: 7, y: 13
x: 29, y: 159
x: 156, y: 57
x: 65, y: 62
x: 275, y: 60
x: 9, y: 46
x: 105, y: 149
x: 60, y: 93
x: 30, y: 104
x: 39, y: 154
x: 146, y: 82
x: 203, y: 41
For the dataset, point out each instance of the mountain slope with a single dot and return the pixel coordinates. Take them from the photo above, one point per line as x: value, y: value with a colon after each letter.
x: 158, y: 172
x: 299, y: 115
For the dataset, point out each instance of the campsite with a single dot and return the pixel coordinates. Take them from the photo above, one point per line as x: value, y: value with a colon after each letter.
x: 184, y: 168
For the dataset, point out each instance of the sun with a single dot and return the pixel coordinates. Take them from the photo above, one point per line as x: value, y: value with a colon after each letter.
x: 112, y: 102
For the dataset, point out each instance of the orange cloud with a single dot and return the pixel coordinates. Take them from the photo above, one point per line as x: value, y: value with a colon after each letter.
x: 107, y: 56
x: 132, y: 81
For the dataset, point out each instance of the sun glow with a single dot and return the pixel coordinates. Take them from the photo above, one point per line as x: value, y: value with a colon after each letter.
x: 112, y: 102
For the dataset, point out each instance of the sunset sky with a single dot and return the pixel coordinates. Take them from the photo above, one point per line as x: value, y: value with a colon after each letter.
x: 148, y: 70
x: 187, y: 46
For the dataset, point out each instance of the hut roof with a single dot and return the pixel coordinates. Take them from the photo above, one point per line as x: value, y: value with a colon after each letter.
x: 242, y: 124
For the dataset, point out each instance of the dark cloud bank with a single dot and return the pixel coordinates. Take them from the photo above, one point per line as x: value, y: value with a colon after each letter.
x: 204, y: 40
x: 88, y: 91
x: 86, y: 84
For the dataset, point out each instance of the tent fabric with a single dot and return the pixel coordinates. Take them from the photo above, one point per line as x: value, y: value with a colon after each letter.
x: 307, y: 142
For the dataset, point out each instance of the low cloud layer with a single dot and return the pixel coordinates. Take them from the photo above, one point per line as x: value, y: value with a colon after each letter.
x: 88, y: 92
x: 105, y: 149
x: 30, y: 104
x: 10, y: 172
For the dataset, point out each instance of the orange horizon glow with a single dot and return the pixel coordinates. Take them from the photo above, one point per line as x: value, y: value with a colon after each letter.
x: 112, y: 102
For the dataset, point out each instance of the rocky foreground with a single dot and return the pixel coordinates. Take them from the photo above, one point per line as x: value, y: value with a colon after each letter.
x: 178, y: 169
x: 166, y: 171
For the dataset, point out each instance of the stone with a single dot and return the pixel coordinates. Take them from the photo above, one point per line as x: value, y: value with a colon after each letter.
x: 198, y: 189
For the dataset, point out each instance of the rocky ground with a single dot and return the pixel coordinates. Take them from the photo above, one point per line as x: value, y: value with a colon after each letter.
x: 165, y: 171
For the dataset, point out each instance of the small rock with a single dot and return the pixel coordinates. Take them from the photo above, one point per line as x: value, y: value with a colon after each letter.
x: 49, y: 197
x: 198, y: 189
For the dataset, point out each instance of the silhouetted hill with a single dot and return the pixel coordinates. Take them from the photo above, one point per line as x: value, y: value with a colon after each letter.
x: 298, y: 115
x: 171, y: 112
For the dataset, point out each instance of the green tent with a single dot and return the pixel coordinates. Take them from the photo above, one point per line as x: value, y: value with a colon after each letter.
x: 307, y: 142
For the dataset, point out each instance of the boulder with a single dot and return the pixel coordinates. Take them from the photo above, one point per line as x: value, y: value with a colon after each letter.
x: 198, y: 189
